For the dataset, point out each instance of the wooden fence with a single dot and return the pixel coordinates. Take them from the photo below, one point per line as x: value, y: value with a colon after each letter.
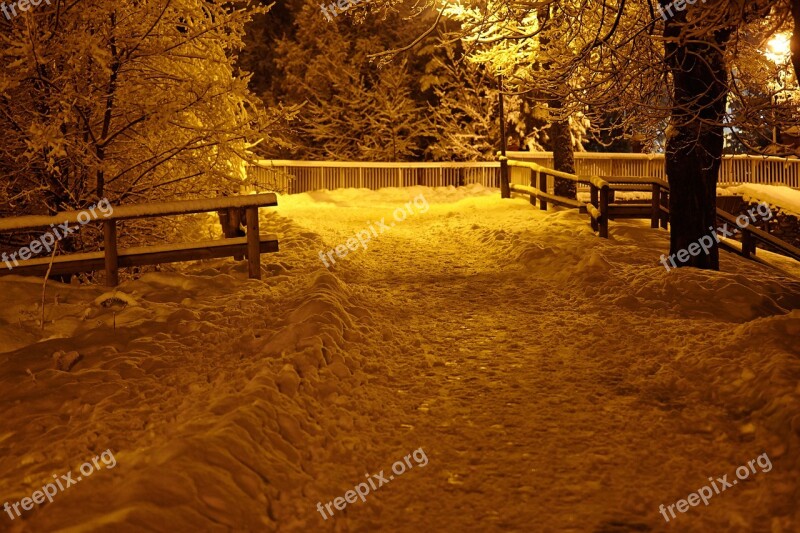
x: 601, y: 208
x: 111, y: 258
x: 597, y: 208
x: 735, y: 169
x: 302, y: 176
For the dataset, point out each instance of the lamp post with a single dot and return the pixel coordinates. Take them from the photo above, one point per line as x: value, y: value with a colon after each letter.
x: 774, y: 120
x: 778, y: 51
x: 505, y: 188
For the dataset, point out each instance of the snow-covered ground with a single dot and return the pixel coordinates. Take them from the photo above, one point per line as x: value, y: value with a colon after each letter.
x: 555, y: 381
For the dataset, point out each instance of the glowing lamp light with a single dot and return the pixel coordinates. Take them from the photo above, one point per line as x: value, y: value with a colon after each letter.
x: 778, y: 48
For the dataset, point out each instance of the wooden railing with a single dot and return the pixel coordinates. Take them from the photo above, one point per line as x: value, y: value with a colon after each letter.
x: 303, y: 176
x: 597, y: 164
x: 735, y: 169
x: 597, y: 208
x: 751, y: 235
x: 602, y: 207
x: 112, y: 258
x: 658, y: 212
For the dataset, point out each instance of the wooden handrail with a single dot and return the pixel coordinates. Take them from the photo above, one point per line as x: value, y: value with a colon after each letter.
x: 589, y: 180
x: 280, y: 163
x: 326, y: 174
x: 760, y: 235
x: 599, y: 211
x: 635, y: 180
x: 564, y: 202
x: 127, y: 212
x: 598, y: 208
x: 109, y: 215
x: 604, y: 156
x: 749, y: 233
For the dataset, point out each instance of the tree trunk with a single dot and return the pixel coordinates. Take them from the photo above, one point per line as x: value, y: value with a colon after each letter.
x: 563, y: 154
x: 560, y: 136
x: 695, y: 138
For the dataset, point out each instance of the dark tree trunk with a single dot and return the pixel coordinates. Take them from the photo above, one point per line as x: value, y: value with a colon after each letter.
x: 563, y: 154
x: 695, y: 137
x: 560, y: 136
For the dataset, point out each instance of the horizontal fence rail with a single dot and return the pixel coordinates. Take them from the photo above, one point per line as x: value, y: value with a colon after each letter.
x: 112, y: 257
x: 302, y: 176
x: 735, y: 169
x: 602, y: 207
x: 597, y: 208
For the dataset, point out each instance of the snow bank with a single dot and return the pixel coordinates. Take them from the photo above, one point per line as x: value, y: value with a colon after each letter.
x: 235, y: 404
x: 779, y: 198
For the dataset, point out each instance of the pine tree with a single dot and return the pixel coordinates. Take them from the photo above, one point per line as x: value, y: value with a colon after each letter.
x: 466, y: 113
x: 354, y: 108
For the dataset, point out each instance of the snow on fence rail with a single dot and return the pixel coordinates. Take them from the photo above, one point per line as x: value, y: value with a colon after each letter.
x: 735, y: 169
x: 301, y: 176
x: 597, y: 208
x: 602, y: 208
x: 112, y: 257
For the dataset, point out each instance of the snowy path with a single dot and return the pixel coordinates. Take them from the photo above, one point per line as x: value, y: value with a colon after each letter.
x: 536, y: 414
x: 556, y: 382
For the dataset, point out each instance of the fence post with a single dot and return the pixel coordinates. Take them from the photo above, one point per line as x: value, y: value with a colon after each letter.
x: 604, y: 193
x: 542, y: 188
x: 253, y: 243
x: 505, y: 186
x: 110, y: 251
x: 232, y: 225
x: 533, y: 179
x: 655, y: 214
x: 748, y: 244
x: 595, y: 202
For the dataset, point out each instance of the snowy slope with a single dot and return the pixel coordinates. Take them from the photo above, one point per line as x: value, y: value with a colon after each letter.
x: 777, y: 196
x: 557, y: 381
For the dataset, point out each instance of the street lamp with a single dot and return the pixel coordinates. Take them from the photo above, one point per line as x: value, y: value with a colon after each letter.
x: 778, y: 51
x: 779, y: 48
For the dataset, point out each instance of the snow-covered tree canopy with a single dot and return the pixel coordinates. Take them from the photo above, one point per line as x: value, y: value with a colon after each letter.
x: 123, y: 99
x: 608, y: 59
